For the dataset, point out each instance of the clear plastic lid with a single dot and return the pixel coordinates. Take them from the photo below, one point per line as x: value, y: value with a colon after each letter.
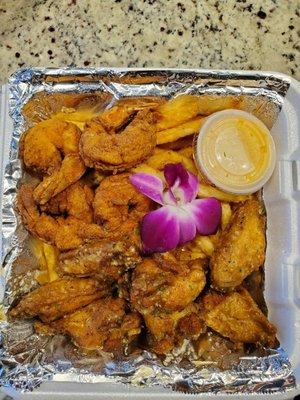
x: 235, y: 151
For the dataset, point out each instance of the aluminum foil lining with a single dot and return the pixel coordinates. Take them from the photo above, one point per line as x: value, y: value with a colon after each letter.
x: 28, y: 359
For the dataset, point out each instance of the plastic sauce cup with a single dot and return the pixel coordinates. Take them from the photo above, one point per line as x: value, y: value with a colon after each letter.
x: 235, y: 151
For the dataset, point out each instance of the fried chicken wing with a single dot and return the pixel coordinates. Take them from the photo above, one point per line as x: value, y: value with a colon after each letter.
x: 118, y: 139
x: 119, y: 207
x: 55, y: 299
x: 165, y: 284
x: 106, y: 259
x: 163, y: 291
x: 167, y: 330
x: 241, y: 248
x: 103, y: 324
x: 66, y: 233
x: 238, y: 318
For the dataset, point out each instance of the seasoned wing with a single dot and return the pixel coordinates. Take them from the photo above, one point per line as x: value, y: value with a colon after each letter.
x: 163, y: 283
x: 102, y: 324
x: 59, y: 297
x: 237, y: 317
x: 167, y: 330
x: 163, y: 291
x: 241, y: 249
x: 105, y: 259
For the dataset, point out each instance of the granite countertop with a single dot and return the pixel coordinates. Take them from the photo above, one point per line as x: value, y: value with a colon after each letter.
x: 228, y: 34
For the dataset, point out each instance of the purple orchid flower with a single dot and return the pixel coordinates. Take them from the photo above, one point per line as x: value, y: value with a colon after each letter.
x: 181, y: 216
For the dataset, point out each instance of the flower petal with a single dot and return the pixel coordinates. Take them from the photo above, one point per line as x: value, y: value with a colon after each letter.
x: 160, y: 230
x: 150, y: 185
x: 207, y: 214
x: 183, y: 184
x: 187, y: 226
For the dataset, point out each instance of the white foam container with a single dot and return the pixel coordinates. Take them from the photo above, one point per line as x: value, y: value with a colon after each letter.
x: 282, y: 266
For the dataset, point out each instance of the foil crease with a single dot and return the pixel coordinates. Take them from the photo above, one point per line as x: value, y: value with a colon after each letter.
x: 28, y: 359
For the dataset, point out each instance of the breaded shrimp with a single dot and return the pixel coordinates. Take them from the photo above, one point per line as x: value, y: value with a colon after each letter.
x: 118, y: 139
x: 72, y: 169
x: 119, y: 207
x: 76, y: 201
x: 66, y: 233
x: 42, y: 149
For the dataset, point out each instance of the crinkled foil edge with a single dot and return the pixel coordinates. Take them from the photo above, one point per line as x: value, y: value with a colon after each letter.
x: 269, y: 374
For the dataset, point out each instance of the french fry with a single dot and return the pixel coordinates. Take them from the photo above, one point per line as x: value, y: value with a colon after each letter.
x: 210, y: 191
x: 148, y: 170
x: 47, y: 258
x: 36, y: 246
x: 185, y: 107
x: 179, y: 144
x: 226, y: 215
x: 205, y: 244
x: 188, y: 128
x: 176, y: 111
x: 187, y: 152
x: 162, y: 157
x: 51, y: 259
x: 42, y: 277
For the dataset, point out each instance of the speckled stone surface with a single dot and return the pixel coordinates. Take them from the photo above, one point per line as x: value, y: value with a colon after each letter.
x: 226, y: 34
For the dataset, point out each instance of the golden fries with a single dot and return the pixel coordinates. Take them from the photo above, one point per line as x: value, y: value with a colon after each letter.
x: 51, y: 260
x: 226, y: 215
x: 179, y: 144
x: 162, y: 157
x: 47, y: 259
x: 185, y: 107
x: 188, y: 128
x: 187, y: 152
x: 148, y: 170
x: 205, y: 244
x: 210, y: 191
x: 176, y: 111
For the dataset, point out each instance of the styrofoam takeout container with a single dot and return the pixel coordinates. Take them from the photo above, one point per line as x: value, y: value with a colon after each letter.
x: 282, y: 266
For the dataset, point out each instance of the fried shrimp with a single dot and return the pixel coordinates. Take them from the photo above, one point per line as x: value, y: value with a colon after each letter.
x: 118, y: 139
x: 52, y: 148
x: 119, y: 207
x: 66, y: 233
x: 72, y: 169
x: 76, y: 201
